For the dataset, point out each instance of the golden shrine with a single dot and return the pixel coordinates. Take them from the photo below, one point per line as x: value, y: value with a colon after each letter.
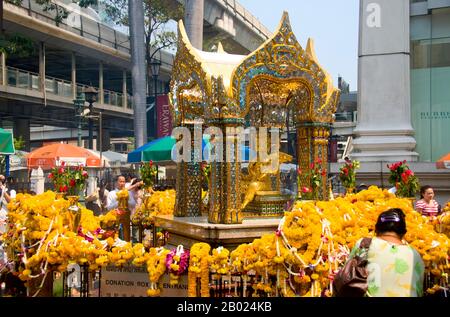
x: 277, y: 82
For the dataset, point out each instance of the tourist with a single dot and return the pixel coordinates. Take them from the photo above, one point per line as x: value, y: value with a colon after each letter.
x: 98, y: 199
x: 395, y: 268
x: 6, y: 195
x: 427, y: 206
x: 5, y: 198
x: 112, y: 202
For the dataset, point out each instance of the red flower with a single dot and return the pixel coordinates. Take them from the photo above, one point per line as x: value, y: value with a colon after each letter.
x: 306, y: 189
x: 61, y: 170
x: 63, y: 163
x: 50, y: 175
x: 324, y: 172
x: 85, y: 174
x: 150, y: 163
x: 72, y: 183
x: 311, y: 166
x: 319, y: 161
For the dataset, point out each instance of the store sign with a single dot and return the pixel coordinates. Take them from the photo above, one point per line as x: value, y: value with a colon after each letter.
x: 435, y: 115
x: 133, y: 281
x: 164, y: 117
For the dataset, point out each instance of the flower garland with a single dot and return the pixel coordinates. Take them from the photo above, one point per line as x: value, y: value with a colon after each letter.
x: 177, y: 262
x: 219, y: 261
x: 198, y: 268
x: 302, y: 256
x: 156, y: 267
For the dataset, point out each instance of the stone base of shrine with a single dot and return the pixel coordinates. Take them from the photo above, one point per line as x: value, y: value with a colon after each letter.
x: 189, y: 230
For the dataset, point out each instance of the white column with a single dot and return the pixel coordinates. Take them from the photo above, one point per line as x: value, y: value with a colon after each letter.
x: 37, y: 181
x: 91, y: 181
x: 384, y: 131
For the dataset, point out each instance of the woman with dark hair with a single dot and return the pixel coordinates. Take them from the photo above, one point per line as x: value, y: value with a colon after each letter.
x: 427, y: 206
x: 395, y: 268
x: 97, y: 200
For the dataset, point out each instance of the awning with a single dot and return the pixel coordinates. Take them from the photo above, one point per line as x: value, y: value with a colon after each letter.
x: 6, y: 142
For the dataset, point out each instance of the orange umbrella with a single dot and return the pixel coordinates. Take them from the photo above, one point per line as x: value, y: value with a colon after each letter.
x: 444, y: 162
x: 52, y: 155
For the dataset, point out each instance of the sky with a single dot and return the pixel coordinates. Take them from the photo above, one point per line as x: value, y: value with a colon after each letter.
x: 333, y: 24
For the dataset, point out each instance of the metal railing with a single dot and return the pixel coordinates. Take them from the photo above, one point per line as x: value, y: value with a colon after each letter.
x: 240, y: 12
x: 19, y: 78
x: 58, y: 87
x: 346, y: 116
x: 22, y: 79
x: 81, y: 25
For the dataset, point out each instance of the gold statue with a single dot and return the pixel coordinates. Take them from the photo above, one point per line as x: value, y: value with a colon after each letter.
x: 257, y: 181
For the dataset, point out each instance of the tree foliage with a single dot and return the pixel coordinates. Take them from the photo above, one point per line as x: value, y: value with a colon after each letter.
x: 19, y: 143
x: 157, y: 13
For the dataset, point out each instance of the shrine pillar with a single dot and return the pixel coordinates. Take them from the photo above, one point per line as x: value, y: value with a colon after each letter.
x: 188, y: 202
x: 312, y: 139
x: 225, y: 177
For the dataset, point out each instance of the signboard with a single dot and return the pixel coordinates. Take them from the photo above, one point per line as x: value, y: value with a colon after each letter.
x: 164, y: 117
x: 133, y: 281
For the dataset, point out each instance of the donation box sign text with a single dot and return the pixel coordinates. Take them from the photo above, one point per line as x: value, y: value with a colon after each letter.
x: 133, y: 281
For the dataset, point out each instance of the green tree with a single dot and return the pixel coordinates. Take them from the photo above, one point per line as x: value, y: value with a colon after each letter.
x: 19, y: 143
x: 156, y: 15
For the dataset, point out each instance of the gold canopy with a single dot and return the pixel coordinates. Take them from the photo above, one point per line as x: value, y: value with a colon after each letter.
x: 202, y: 82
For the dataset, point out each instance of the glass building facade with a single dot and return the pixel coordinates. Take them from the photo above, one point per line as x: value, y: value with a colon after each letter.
x: 430, y: 81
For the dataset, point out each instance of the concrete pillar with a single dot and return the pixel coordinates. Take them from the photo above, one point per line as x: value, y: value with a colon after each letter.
x: 101, y: 92
x: 384, y: 131
x: 42, y: 70
x: 124, y: 89
x: 74, y: 76
x: 21, y: 128
x: 138, y: 71
x: 3, y: 66
x: 193, y: 21
x: 37, y: 181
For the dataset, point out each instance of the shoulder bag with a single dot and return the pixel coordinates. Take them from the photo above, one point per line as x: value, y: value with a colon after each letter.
x: 351, y: 280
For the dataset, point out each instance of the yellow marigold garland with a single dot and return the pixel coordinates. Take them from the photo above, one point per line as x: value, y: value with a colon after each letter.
x: 156, y: 267
x: 198, y: 268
